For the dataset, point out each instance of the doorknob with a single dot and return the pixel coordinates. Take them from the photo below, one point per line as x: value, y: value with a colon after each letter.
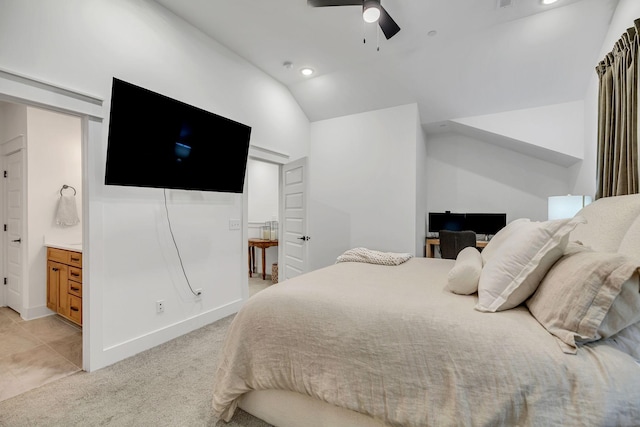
x: 305, y: 238
x: 17, y: 240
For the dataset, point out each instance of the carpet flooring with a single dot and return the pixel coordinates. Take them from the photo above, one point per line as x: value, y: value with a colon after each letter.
x: 168, y: 385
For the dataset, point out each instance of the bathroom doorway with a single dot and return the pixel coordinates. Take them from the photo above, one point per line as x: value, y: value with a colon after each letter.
x: 31, y: 189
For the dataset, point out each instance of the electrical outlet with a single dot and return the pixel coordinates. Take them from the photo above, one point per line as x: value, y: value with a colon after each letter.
x: 160, y: 306
x: 234, y: 224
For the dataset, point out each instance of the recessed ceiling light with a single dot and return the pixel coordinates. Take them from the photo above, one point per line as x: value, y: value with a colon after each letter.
x: 306, y: 71
x: 545, y: 2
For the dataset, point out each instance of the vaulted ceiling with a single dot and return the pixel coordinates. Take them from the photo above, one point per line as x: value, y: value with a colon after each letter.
x: 455, y: 58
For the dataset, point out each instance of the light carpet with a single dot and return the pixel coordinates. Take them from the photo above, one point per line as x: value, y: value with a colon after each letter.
x: 168, y: 385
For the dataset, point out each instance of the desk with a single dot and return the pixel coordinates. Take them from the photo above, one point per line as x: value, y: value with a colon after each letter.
x: 432, y: 243
x: 262, y: 244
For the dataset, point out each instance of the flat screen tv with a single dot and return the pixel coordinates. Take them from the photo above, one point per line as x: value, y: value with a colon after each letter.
x: 157, y: 141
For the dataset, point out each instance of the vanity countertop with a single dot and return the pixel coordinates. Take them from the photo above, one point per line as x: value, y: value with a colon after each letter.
x: 77, y: 247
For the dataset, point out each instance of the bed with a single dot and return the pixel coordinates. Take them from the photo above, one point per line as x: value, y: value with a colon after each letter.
x: 430, y: 342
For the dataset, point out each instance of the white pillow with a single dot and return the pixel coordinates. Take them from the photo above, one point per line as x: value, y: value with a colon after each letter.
x: 464, y: 276
x: 501, y: 236
x: 514, y: 272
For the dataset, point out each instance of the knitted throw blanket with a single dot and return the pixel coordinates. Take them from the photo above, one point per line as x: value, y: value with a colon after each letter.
x: 373, y: 257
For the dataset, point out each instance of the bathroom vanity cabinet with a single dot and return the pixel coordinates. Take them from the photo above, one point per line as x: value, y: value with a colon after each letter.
x: 64, y: 283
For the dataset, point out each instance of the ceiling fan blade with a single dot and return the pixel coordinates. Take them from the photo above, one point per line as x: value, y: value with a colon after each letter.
x: 387, y: 24
x: 324, y: 3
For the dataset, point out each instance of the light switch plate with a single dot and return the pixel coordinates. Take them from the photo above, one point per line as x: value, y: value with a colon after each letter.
x: 234, y: 224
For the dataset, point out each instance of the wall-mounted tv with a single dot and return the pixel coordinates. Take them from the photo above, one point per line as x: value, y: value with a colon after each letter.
x: 157, y: 141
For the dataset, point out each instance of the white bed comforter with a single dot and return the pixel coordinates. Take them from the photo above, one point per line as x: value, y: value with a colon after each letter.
x: 390, y: 342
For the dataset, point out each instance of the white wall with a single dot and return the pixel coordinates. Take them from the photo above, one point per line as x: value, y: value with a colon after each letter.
x: 83, y: 45
x: 422, y: 191
x: 54, y: 158
x: 263, y: 178
x: 13, y: 121
x: 469, y: 175
x: 363, y: 176
x: 558, y: 127
x: 584, y: 175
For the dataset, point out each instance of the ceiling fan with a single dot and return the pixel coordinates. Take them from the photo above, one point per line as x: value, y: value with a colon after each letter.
x: 372, y: 11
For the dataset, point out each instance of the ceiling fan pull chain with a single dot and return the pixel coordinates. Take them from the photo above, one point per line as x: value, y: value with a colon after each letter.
x: 364, y: 32
x: 378, y: 38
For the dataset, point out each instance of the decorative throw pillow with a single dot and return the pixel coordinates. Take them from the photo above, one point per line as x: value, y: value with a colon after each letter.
x: 463, y: 277
x: 514, y: 272
x: 501, y: 236
x: 587, y: 296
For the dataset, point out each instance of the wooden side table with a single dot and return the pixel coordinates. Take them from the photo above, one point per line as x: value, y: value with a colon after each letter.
x: 262, y: 244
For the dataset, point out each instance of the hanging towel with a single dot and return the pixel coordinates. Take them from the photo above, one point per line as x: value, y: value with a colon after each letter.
x: 67, y: 212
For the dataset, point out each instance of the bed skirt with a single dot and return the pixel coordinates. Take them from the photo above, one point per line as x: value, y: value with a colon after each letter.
x: 289, y: 409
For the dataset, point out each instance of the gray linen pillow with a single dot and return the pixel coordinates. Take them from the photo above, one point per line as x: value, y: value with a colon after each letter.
x: 587, y: 296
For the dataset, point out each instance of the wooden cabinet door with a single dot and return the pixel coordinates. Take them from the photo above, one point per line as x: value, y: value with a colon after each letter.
x: 53, y: 285
x: 63, y: 298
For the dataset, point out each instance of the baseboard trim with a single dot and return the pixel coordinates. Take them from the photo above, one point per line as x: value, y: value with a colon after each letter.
x: 136, y: 345
x: 36, y: 312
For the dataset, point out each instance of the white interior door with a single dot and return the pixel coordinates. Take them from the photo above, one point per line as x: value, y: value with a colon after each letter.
x: 294, y: 224
x: 13, y: 199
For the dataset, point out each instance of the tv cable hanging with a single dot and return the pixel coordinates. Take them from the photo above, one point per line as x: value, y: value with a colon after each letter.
x: 198, y: 292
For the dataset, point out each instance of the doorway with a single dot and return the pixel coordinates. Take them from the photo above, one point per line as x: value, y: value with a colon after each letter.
x: 263, y: 218
x: 29, y: 202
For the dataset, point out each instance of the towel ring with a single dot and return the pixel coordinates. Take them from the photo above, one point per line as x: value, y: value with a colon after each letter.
x: 65, y: 186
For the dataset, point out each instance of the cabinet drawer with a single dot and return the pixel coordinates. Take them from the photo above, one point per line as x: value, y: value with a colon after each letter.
x: 75, y: 273
x: 58, y: 255
x: 65, y: 257
x: 75, y: 309
x: 75, y: 288
x: 75, y: 258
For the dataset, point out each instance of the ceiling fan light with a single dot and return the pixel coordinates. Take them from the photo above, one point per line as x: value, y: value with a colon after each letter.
x: 371, y: 10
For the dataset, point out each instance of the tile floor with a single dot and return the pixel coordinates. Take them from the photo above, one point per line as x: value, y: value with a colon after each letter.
x: 35, y: 352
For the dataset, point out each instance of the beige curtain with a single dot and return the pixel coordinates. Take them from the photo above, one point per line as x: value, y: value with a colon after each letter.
x: 617, y: 169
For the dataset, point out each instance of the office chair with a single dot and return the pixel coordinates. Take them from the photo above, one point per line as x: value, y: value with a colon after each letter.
x: 452, y: 242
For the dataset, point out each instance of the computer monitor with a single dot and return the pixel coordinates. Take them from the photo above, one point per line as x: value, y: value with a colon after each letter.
x: 446, y: 221
x: 481, y: 223
x: 485, y: 223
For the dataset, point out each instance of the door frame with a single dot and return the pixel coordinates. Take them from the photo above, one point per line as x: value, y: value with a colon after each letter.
x: 266, y: 155
x: 21, y: 89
